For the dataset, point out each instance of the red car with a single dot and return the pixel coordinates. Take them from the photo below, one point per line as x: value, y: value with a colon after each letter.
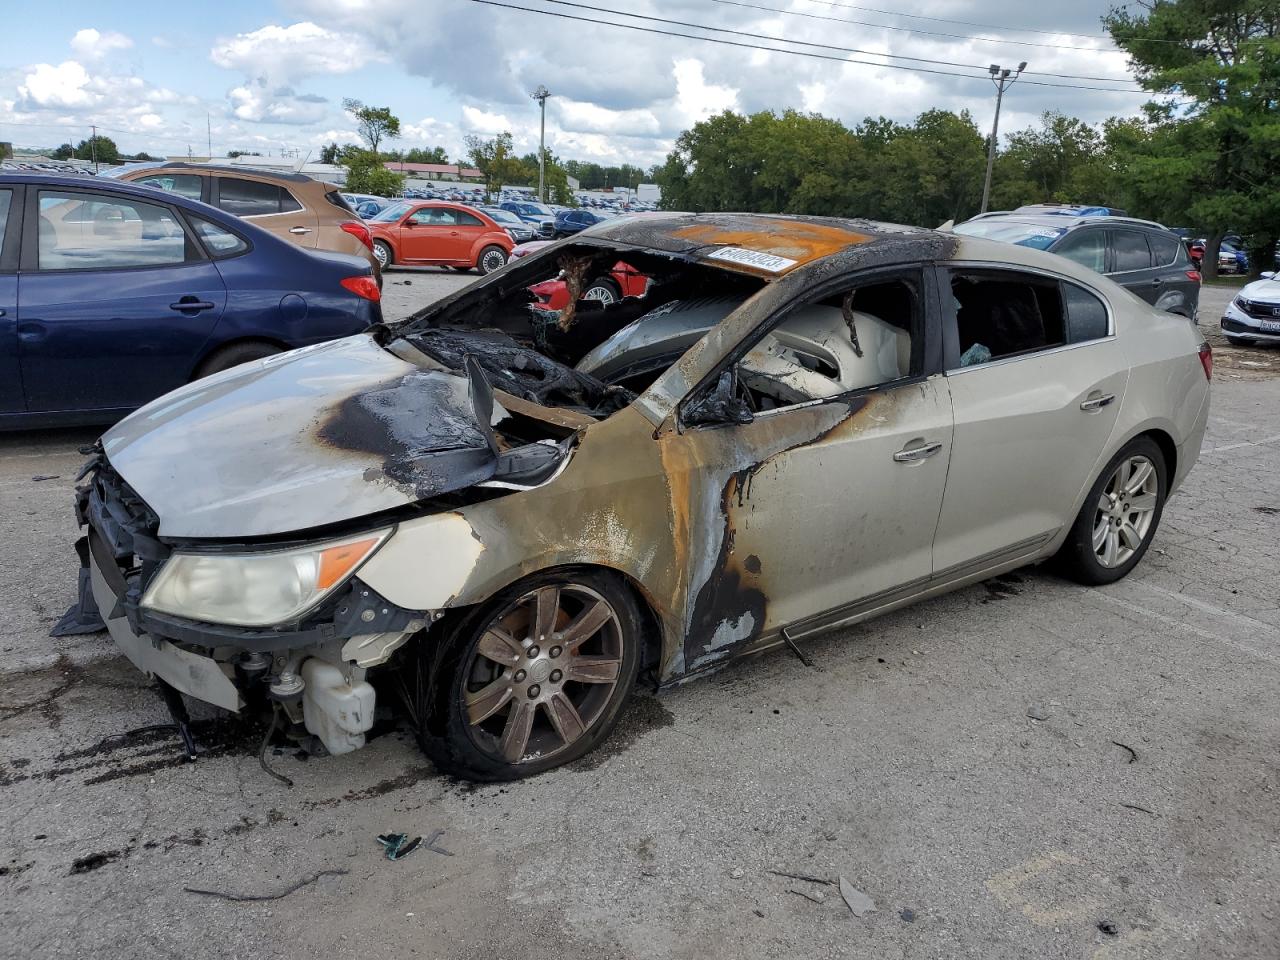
x: 440, y: 234
x: 622, y: 281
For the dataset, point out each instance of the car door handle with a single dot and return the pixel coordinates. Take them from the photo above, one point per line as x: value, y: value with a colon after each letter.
x: 922, y: 451
x: 299, y: 230
x: 1095, y: 403
x: 453, y: 233
x: 191, y: 303
x: 1157, y: 281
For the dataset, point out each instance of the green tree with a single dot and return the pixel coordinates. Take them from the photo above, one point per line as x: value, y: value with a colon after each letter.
x: 496, y: 160
x: 426, y: 155
x: 1221, y: 60
x: 64, y: 152
x: 101, y: 148
x: 375, y: 124
x: 366, y: 173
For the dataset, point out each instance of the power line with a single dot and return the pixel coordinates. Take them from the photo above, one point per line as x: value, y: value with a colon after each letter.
x: 961, y: 23
x: 930, y: 33
x: 981, y: 26
x: 806, y: 43
x: 794, y: 53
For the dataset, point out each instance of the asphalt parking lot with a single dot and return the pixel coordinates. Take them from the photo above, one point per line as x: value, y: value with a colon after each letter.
x: 1025, y: 768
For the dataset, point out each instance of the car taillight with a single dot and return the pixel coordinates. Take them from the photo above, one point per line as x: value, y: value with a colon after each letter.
x: 1193, y: 275
x: 1206, y: 360
x: 365, y: 287
x: 359, y: 231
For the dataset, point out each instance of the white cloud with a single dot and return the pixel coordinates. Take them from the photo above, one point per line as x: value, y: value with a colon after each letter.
x: 475, y: 120
x: 293, y: 52
x: 47, y: 86
x: 93, y: 44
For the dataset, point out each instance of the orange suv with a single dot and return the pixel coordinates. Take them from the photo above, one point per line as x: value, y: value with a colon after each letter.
x: 308, y: 212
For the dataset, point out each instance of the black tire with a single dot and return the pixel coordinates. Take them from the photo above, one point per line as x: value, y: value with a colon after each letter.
x: 387, y: 258
x: 234, y: 355
x: 1078, y: 558
x: 602, y: 283
x: 491, y: 258
x: 474, y: 751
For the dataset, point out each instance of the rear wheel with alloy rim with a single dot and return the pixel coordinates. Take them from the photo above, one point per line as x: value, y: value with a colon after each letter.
x: 491, y: 259
x: 1119, y: 517
x: 535, y: 678
x: 603, y: 291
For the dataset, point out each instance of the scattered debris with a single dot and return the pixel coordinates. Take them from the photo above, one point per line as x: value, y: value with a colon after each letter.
x: 737, y: 873
x: 253, y: 897
x: 1108, y: 927
x: 759, y: 913
x: 800, y: 654
x: 818, y: 897
x: 1134, y: 806
x: 45, y: 476
x: 431, y: 843
x: 859, y: 903
x: 398, y: 845
x: 802, y: 876
x: 96, y: 860
x: 1036, y: 712
x: 1269, y: 511
x: 907, y: 914
x: 14, y: 868
x: 1133, y: 754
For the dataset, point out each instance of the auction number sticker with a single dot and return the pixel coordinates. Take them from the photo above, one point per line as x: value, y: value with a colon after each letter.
x: 753, y: 258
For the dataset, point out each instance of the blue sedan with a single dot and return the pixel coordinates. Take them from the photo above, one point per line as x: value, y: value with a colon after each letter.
x: 113, y: 294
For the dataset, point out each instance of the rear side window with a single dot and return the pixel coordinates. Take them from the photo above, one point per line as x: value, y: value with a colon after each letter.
x: 467, y: 220
x: 1087, y: 248
x: 183, y: 184
x: 339, y: 201
x: 248, y: 198
x: 220, y: 241
x: 6, y: 201
x: 1166, y: 251
x: 1086, y: 314
x: 1131, y: 251
x: 1007, y: 313
x: 93, y: 231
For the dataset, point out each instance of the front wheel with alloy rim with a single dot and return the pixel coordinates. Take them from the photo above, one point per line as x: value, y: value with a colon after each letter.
x: 382, y: 253
x: 491, y: 259
x: 1119, y: 517
x: 534, y: 678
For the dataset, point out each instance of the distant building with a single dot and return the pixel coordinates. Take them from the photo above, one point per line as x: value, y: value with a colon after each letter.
x: 436, y: 171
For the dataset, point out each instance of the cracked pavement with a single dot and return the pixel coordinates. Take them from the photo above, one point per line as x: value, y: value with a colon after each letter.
x: 905, y: 762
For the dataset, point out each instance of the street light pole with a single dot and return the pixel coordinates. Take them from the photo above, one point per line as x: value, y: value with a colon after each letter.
x: 1003, y: 79
x: 541, y: 95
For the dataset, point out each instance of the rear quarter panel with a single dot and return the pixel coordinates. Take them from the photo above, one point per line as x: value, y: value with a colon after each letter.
x: 1168, y: 390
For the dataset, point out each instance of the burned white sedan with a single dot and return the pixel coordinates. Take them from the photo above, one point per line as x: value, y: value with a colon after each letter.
x: 502, y: 518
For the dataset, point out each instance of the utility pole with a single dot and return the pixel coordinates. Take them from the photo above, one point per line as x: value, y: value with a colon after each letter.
x: 541, y: 95
x: 93, y: 146
x: 1003, y: 79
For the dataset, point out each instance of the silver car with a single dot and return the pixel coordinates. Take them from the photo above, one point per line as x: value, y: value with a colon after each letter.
x: 511, y: 516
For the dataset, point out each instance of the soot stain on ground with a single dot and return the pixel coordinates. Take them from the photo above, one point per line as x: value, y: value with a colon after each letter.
x: 1005, y: 585
x: 640, y: 715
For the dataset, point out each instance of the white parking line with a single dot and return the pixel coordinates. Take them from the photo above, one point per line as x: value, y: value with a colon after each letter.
x: 1244, y: 443
x: 1261, y: 654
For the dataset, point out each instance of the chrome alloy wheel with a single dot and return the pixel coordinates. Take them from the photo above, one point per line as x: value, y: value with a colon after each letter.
x: 543, y: 672
x: 1125, y: 511
x: 600, y: 292
x: 493, y: 259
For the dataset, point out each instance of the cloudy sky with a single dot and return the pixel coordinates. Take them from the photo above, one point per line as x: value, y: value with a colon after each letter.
x: 270, y: 75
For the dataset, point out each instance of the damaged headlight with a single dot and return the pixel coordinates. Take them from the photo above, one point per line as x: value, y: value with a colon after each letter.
x: 257, y: 589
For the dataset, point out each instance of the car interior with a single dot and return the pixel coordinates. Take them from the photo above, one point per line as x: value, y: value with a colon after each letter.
x: 80, y: 231
x: 578, y: 357
x: 1000, y: 317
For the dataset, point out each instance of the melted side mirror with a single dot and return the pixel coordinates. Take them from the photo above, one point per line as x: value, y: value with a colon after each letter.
x: 721, y: 405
